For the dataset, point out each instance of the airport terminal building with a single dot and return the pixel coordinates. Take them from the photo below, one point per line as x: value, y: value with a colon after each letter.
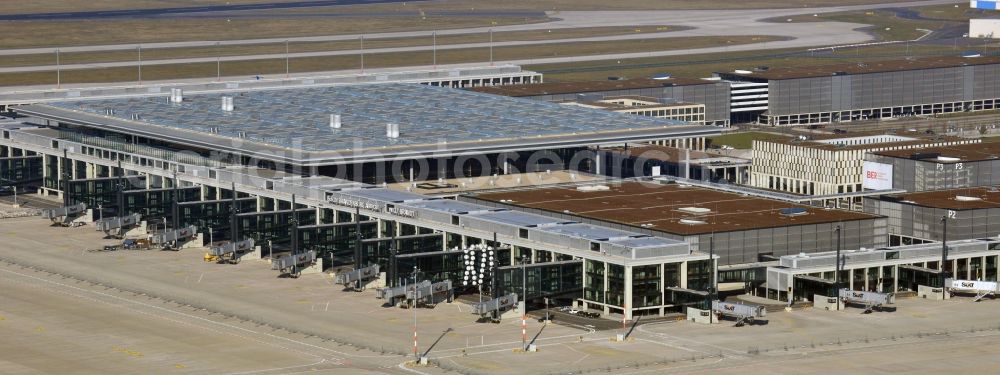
x: 305, y: 175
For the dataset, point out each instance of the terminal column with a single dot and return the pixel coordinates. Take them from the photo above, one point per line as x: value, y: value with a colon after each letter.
x: 627, y: 298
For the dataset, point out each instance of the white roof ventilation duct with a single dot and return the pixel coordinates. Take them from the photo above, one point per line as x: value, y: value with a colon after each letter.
x: 335, y: 121
x: 227, y: 104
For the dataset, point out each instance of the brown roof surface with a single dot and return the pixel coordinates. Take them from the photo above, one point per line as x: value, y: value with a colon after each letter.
x: 536, y: 89
x: 636, y: 203
x: 947, y: 198
x: 965, y: 153
x: 920, y: 139
x: 870, y: 67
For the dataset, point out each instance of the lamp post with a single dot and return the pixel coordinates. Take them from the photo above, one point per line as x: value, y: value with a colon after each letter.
x: 140, y: 64
x: 218, y: 63
x: 836, y: 276
x: 414, y: 307
x: 524, y: 311
x: 58, y: 71
x: 944, y: 249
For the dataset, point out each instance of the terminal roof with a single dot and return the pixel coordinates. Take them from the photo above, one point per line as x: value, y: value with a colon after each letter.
x: 664, y: 206
x: 551, y: 88
x: 294, y: 124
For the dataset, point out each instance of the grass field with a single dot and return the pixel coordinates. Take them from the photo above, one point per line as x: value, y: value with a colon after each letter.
x: 312, y: 64
x: 888, y: 25
x: 70, y: 33
x: 251, y: 49
x: 742, y: 141
x: 704, y: 65
x: 35, y: 6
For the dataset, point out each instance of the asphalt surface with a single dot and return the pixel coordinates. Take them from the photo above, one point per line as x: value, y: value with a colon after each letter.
x: 701, y: 23
x: 157, y: 12
x: 65, y: 309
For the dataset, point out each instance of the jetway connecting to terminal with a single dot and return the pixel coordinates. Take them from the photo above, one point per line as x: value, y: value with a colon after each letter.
x: 293, y: 264
x: 65, y: 214
x: 430, y: 295
x: 174, y: 239
x: 358, y: 276
x: 231, y: 251
x: 393, y: 294
x: 494, y: 308
x: 870, y: 301
x: 979, y: 289
x: 742, y: 313
x: 118, y: 225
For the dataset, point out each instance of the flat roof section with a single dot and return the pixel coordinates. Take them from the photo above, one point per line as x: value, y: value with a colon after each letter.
x: 867, y: 67
x: 664, y: 206
x: 676, y: 155
x: 430, y: 120
x: 864, y: 140
x: 551, y: 88
x: 955, y: 199
x: 949, y: 154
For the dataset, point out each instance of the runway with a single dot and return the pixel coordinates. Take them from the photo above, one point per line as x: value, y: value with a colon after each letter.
x: 701, y: 23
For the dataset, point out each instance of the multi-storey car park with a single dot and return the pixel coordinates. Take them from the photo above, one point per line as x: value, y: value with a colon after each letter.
x: 232, y: 163
x: 940, y: 168
x: 920, y: 217
x: 869, y: 90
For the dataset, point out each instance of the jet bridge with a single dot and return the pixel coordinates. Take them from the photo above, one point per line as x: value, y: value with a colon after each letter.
x: 742, y: 313
x: 117, y: 226
x: 981, y: 289
x: 174, y: 238
x: 229, y: 252
x: 868, y: 300
x: 361, y: 274
x: 393, y: 293
x: 495, y: 307
x: 431, y: 294
x: 63, y: 215
x: 292, y: 264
